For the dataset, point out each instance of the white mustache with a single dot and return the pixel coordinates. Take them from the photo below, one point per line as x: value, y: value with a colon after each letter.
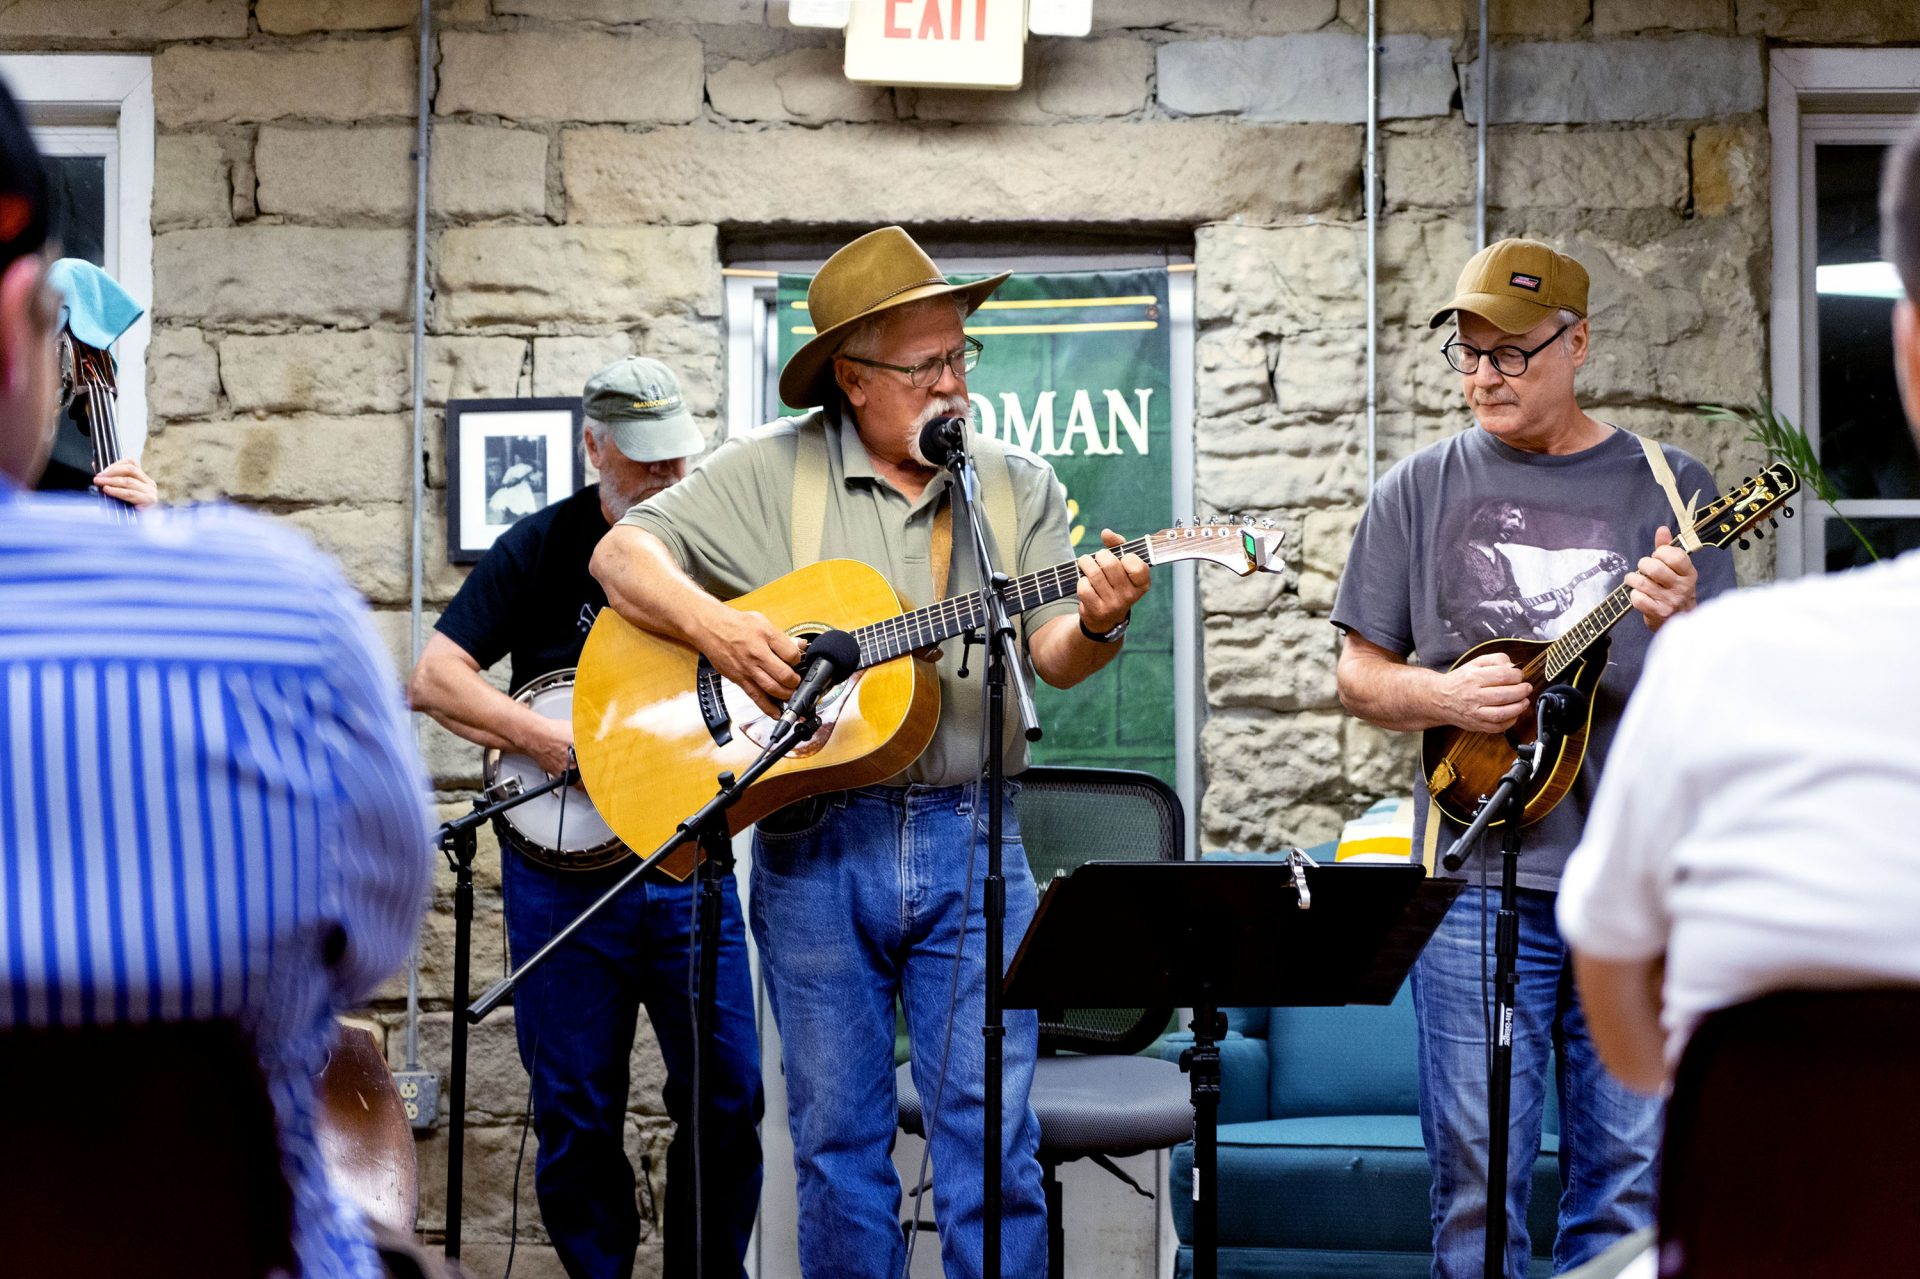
x: 946, y: 406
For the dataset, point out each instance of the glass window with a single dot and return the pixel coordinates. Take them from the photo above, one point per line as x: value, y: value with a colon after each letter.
x: 1854, y: 414
x: 80, y: 206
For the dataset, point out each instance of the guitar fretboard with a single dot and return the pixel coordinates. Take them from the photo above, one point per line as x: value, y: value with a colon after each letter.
x: 936, y: 623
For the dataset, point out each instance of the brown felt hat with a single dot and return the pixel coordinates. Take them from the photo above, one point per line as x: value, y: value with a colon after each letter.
x: 1515, y: 284
x: 879, y: 271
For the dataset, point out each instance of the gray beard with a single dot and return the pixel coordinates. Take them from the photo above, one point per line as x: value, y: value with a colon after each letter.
x: 616, y: 501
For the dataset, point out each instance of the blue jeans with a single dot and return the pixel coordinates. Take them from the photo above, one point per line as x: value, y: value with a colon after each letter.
x: 1609, y: 1135
x: 575, y: 1017
x: 857, y: 899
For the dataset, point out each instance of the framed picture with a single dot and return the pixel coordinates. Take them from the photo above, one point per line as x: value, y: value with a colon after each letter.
x: 506, y: 459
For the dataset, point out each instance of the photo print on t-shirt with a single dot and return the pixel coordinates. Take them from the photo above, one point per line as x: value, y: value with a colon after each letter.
x: 1512, y: 571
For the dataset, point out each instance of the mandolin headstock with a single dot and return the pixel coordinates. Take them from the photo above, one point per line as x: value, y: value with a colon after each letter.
x: 1241, y: 543
x: 1730, y: 517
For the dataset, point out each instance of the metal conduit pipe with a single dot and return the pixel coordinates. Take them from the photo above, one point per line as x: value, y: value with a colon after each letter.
x: 1480, y: 175
x: 1372, y: 176
x: 423, y: 105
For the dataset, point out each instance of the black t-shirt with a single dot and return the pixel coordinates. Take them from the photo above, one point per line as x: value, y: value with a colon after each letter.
x: 531, y: 597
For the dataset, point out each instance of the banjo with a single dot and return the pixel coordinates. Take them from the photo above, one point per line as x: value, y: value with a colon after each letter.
x: 560, y: 830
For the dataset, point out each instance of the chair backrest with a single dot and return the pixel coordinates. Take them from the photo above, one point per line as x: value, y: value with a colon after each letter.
x: 1071, y: 816
x: 140, y: 1150
x: 1791, y: 1139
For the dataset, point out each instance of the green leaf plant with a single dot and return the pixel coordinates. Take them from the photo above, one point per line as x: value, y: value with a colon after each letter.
x: 1785, y: 442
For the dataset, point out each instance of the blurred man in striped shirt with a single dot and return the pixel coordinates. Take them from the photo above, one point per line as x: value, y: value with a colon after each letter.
x: 211, y: 807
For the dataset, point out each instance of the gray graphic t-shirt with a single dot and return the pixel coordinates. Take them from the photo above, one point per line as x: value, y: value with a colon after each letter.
x: 1470, y: 540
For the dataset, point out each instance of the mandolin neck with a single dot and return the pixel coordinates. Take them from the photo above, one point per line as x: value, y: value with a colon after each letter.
x: 1586, y: 632
x: 936, y: 623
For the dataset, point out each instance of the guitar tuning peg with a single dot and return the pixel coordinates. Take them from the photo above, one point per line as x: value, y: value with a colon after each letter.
x: 1745, y: 545
x: 1179, y: 524
x: 1759, y: 532
x: 1787, y: 511
x: 1772, y: 522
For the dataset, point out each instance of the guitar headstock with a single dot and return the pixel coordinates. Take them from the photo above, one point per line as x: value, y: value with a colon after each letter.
x: 1727, y: 518
x: 1241, y: 543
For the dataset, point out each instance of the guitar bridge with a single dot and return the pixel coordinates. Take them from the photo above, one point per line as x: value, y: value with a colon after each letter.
x: 713, y: 702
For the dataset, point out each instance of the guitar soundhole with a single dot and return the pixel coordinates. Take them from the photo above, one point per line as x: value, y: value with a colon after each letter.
x: 713, y: 702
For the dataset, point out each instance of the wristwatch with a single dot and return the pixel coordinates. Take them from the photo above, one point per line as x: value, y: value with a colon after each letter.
x: 1107, y: 637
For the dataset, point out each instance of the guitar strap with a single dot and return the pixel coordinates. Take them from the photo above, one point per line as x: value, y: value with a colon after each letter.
x: 1685, y: 534
x: 1430, y: 844
x: 810, y: 479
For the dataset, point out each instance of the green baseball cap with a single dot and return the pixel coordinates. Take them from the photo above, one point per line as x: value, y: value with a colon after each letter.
x: 640, y: 400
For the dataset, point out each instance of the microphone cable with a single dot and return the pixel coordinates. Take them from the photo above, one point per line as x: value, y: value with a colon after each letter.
x: 930, y: 1114
x: 533, y: 1054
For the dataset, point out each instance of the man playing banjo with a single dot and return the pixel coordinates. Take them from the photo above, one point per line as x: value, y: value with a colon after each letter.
x: 532, y: 599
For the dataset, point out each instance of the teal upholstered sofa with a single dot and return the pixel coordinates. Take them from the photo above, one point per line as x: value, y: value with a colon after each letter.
x: 1322, y: 1173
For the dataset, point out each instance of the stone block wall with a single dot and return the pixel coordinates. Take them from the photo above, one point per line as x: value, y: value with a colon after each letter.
x: 594, y: 159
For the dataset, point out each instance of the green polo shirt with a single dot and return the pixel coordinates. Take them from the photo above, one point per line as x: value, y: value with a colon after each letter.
x: 729, y: 524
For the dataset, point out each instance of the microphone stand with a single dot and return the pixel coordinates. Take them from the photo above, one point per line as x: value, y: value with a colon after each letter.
x: 1508, y: 803
x: 1003, y: 667
x: 459, y: 842
x: 707, y: 827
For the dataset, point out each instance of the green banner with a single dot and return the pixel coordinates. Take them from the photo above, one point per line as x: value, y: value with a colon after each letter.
x: 1077, y: 368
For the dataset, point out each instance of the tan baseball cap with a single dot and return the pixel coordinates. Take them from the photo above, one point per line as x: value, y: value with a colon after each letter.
x: 1515, y: 284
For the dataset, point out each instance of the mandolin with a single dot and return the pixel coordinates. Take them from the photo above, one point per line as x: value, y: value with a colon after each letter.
x: 654, y: 724
x: 1462, y: 767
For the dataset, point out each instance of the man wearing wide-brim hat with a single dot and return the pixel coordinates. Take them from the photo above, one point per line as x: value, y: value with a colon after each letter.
x: 1517, y: 527
x: 862, y: 897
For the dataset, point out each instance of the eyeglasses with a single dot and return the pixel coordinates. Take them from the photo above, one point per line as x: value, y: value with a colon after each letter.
x: 926, y: 373
x: 1508, y: 361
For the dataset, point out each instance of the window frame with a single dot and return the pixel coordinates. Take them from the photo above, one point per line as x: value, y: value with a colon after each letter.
x: 113, y: 92
x: 1818, y: 96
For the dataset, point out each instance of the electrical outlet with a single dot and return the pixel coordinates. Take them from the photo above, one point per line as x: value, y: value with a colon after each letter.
x: 420, y: 1093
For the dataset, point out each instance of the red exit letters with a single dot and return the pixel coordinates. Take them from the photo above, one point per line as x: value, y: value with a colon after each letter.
x: 938, y: 19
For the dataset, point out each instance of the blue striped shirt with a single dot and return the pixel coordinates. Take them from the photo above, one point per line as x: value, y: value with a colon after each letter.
x: 211, y: 805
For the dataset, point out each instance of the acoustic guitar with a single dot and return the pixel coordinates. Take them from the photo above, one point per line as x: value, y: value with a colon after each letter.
x: 1463, y: 767
x: 654, y: 724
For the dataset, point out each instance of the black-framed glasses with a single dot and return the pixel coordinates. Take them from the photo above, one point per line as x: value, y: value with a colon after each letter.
x: 1508, y: 361
x: 926, y: 373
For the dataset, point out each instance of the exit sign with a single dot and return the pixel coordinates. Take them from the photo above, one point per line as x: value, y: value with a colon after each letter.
x: 975, y: 44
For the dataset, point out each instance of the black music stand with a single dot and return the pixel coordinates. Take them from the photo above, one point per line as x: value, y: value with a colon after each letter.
x: 1212, y: 934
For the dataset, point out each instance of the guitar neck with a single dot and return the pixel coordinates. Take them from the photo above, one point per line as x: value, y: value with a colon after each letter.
x: 936, y: 623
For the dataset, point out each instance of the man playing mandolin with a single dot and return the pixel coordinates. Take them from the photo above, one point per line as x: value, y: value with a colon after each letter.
x: 1580, y: 500
x: 531, y: 598
x: 862, y: 897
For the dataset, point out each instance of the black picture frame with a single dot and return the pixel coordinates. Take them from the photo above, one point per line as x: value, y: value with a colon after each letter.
x: 487, y: 441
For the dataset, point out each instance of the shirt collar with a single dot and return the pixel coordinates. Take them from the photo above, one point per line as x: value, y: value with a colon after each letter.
x: 857, y: 464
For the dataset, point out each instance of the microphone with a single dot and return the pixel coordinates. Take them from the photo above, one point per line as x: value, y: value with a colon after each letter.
x: 831, y: 657
x: 939, y: 440
x: 1560, y: 707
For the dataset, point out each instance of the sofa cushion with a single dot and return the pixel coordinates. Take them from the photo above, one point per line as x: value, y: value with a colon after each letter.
x: 1344, y: 1061
x: 1351, y: 1183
